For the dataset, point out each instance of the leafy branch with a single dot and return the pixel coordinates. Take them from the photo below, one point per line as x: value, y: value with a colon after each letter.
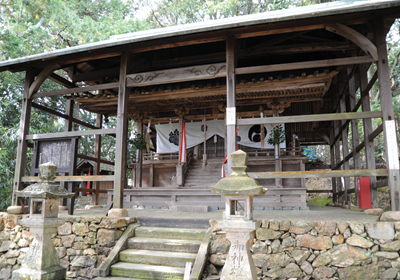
x: 277, y: 135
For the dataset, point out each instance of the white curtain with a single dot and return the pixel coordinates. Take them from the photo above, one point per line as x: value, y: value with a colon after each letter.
x: 168, y: 140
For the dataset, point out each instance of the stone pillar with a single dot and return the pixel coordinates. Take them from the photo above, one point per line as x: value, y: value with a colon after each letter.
x: 239, y: 263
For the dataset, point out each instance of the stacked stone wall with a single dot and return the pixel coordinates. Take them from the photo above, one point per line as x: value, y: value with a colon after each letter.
x: 82, y: 243
x: 317, y: 250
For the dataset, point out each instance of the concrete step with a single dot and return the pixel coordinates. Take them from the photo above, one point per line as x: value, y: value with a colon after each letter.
x: 176, y: 259
x: 158, y: 244
x: 170, y: 233
x: 144, y: 271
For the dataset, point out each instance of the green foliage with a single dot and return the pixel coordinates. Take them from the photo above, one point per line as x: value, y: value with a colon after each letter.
x: 320, y: 200
x: 138, y: 142
x: 277, y: 135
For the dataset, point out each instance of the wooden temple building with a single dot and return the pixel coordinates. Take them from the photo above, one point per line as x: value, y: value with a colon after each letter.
x: 305, y: 68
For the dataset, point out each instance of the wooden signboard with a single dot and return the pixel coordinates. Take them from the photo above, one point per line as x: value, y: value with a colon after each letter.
x: 63, y: 153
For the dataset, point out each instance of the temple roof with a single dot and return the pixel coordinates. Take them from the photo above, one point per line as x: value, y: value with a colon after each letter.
x: 292, y: 14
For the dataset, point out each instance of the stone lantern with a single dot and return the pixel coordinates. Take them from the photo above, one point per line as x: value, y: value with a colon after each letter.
x: 238, y: 223
x: 41, y: 261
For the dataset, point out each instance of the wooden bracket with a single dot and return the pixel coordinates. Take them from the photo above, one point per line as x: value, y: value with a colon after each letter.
x: 46, y: 72
x: 278, y: 105
x: 139, y: 115
x: 182, y: 111
x: 357, y: 38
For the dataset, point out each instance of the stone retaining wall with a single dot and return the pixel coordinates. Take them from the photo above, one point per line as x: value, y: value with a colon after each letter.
x: 82, y: 243
x: 320, y: 250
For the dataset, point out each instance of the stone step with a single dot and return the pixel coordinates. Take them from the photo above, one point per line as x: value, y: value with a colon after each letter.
x: 157, y: 244
x: 201, y: 173
x: 174, y: 222
x: 170, y: 233
x: 144, y: 271
x: 198, y: 182
x: 177, y: 259
x: 115, y: 278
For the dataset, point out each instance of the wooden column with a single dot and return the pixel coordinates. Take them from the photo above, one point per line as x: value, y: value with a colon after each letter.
x: 122, y: 134
x: 151, y: 175
x: 345, y: 149
x: 367, y: 127
x: 344, y: 132
x: 97, y: 155
x: 20, y: 162
x: 339, y: 185
x: 389, y: 128
x: 333, y: 163
x: 354, y: 126
x: 70, y: 202
x: 139, y: 156
x: 230, y: 101
x: 179, y: 169
x: 302, y: 168
x: 134, y: 176
x: 278, y: 162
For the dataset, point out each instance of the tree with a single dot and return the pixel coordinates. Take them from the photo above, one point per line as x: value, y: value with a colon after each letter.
x: 34, y: 26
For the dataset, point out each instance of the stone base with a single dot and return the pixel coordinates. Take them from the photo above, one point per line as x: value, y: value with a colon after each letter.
x: 373, y: 211
x: 16, y: 210
x: 391, y: 216
x: 193, y: 208
x: 55, y: 272
x: 117, y: 212
x: 93, y: 207
x: 62, y: 208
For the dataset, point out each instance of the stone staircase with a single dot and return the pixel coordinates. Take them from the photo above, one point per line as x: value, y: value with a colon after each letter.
x: 195, y: 176
x: 157, y: 253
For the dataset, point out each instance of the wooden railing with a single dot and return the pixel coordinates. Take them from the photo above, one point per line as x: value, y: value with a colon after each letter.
x: 154, y: 156
x: 319, y: 174
x: 271, y: 152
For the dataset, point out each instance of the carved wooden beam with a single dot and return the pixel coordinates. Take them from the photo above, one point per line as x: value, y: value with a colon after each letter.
x: 200, y: 72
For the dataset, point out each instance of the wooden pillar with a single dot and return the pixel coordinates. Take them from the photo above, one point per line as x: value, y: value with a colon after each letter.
x: 151, y: 175
x: 20, y: 162
x: 230, y: 101
x: 179, y: 169
x: 139, y: 156
x: 367, y: 127
x: 339, y: 185
x: 354, y: 126
x: 278, y: 161
x: 70, y: 202
x: 302, y: 168
x: 389, y: 128
x: 134, y: 176
x: 122, y: 134
x: 196, y: 152
x: 333, y: 163
x: 345, y: 141
x: 345, y: 149
x: 97, y: 155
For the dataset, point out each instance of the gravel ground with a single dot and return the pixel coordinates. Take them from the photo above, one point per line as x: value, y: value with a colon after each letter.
x: 316, y: 213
